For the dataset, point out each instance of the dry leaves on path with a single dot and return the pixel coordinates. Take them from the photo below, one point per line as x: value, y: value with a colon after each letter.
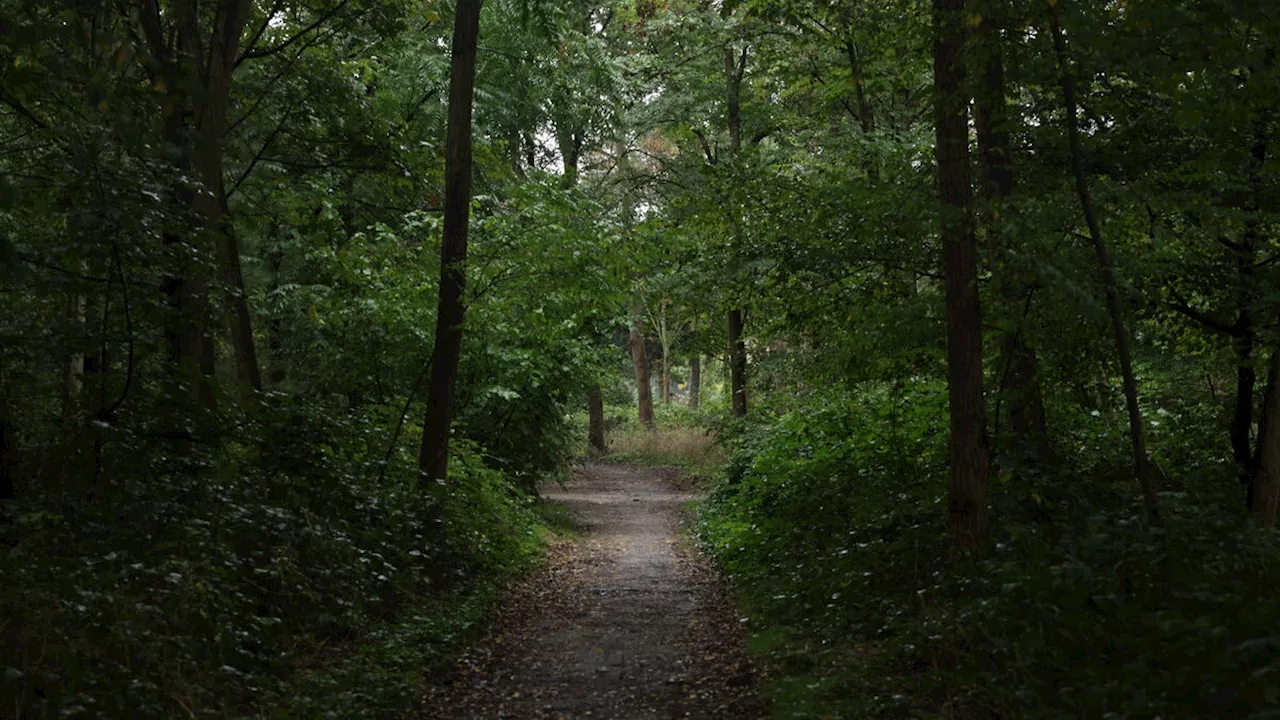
x: 625, y: 622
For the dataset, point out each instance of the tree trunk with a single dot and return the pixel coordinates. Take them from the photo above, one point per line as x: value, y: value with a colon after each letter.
x: 211, y: 124
x: 734, y: 67
x: 73, y: 381
x: 595, y: 419
x: 644, y: 393
x: 1242, y: 415
x: 1264, y: 490
x: 665, y: 339
x: 1028, y: 433
x: 737, y: 364
x: 969, y: 456
x: 1142, y: 464
x: 202, y: 66
x: 695, y: 379
x: 1247, y: 297
x: 184, y: 293
x: 433, y: 457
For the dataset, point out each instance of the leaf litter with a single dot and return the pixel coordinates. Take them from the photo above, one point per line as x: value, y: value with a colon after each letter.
x: 627, y: 621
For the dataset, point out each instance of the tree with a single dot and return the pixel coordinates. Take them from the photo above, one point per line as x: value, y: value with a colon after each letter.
x: 969, y: 456
x: 640, y: 360
x: 184, y: 57
x: 735, y: 66
x: 1264, y: 490
x: 433, y: 457
x: 1137, y: 433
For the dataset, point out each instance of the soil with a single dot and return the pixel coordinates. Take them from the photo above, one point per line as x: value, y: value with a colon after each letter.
x: 626, y: 621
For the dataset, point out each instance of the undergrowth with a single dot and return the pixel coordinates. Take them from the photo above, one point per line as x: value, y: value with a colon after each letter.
x: 681, y: 438
x: 830, y: 521
x: 296, y: 580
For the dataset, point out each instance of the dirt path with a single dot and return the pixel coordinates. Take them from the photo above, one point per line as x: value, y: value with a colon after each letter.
x: 625, y: 622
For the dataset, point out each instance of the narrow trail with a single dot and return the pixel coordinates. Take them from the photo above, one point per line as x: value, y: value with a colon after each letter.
x: 625, y: 622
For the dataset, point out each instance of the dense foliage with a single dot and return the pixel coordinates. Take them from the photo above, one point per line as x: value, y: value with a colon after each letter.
x: 209, y: 497
x: 830, y: 523
x: 979, y: 299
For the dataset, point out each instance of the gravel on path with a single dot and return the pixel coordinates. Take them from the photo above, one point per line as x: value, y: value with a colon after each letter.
x: 625, y: 622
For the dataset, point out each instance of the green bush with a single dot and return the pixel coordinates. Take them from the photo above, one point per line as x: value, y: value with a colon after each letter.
x: 831, y: 521
x: 200, y: 586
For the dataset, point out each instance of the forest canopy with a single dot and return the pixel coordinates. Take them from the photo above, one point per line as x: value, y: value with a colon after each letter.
x: 302, y: 301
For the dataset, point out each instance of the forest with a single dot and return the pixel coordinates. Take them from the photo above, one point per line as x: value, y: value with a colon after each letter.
x: 963, y: 316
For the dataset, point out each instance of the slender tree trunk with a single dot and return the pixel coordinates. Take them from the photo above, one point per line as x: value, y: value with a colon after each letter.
x: 644, y: 393
x: 969, y: 455
x: 1264, y: 483
x: 595, y: 419
x: 1142, y: 463
x: 737, y: 364
x: 1242, y: 415
x: 1247, y: 297
x: 695, y: 379
x: 1019, y: 365
x: 200, y: 67
x: 73, y: 381
x: 665, y: 339
x: 433, y: 458
x: 1264, y: 490
x: 734, y: 67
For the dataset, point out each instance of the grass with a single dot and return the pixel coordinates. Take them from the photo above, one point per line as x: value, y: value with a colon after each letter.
x: 556, y: 521
x: 691, y: 449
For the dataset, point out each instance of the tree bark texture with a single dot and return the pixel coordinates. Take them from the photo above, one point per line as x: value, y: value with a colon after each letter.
x: 1142, y: 463
x: 1246, y: 257
x: 734, y: 67
x: 969, y: 455
x: 695, y: 380
x: 73, y: 381
x: 201, y: 66
x: 190, y: 355
x: 644, y: 393
x: 665, y: 340
x: 433, y: 456
x: 595, y: 419
x: 210, y: 203
x: 737, y: 364
x: 1264, y: 490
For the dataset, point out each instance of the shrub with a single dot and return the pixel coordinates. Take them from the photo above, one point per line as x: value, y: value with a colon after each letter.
x: 831, y: 519
x: 197, y: 588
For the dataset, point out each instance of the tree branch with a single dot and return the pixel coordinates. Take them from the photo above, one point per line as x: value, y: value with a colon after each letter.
x: 1181, y: 305
x: 250, y: 54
